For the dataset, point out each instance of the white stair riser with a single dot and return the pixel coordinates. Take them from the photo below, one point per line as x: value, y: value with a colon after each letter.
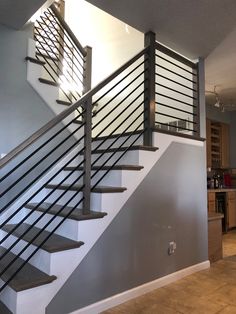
x: 62, y: 200
x: 69, y: 228
x: 112, y: 178
x: 131, y: 158
x: 41, y: 259
x: 116, y: 142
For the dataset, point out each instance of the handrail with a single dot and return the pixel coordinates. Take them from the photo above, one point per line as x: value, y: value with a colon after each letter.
x: 67, y: 28
x: 61, y: 116
x: 175, y: 55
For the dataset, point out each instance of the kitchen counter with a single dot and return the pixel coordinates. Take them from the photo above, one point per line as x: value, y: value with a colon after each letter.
x: 233, y: 189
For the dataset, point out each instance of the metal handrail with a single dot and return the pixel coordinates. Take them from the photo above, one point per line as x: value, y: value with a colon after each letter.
x: 61, y: 116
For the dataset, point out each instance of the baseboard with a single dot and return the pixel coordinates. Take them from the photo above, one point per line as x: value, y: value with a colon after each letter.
x: 140, y: 290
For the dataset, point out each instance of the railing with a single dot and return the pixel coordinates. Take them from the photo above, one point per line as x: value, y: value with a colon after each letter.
x: 66, y: 62
x: 176, y: 92
x: 125, y: 117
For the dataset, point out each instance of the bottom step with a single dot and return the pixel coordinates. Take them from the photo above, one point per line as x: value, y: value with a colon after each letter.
x: 28, y: 277
x: 4, y: 309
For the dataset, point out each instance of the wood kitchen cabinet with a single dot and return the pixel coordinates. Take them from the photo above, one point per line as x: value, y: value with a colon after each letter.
x: 211, y: 202
x: 217, y: 144
x: 231, y: 209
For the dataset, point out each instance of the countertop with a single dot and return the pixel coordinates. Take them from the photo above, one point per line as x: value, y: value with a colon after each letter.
x: 233, y: 189
x: 214, y: 216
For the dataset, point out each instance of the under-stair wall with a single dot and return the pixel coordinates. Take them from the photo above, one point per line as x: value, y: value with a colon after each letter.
x: 169, y: 205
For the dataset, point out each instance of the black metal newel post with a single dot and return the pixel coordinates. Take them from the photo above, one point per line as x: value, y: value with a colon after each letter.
x: 149, y: 85
x: 87, y: 132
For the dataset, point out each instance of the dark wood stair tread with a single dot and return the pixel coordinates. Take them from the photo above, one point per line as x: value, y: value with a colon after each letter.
x: 75, y: 215
x: 44, y: 81
x: 55, y: 243
x: 121, y: 149
x: 4, y: 309
x: 117, y: 135
x: 116, y: 167
x: 28, y: 277
x: 97, y: 189
x: 36, y: 61
x: 63, y: 102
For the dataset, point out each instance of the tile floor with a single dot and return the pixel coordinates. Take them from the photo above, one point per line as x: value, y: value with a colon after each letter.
x: 207, y: 292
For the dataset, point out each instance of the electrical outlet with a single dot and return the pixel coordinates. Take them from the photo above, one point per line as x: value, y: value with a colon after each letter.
x: 172, y: 247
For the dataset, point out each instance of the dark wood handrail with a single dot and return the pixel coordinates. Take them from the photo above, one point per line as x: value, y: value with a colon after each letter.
x: 69, y: 31
x: 175, y: 55
x: 35, y: 136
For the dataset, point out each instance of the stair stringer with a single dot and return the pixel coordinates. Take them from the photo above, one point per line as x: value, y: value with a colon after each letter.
x: 48, y: 93
x: 91, y: 230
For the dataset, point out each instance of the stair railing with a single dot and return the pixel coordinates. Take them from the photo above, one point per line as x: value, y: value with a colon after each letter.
x: 66, y: 62
x: 125, y: 117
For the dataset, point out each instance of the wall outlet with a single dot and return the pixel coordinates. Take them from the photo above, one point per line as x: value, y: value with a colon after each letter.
x: 171, y: 247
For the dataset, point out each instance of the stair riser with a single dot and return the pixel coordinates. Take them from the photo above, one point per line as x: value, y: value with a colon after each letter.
x: 41, y: 260
x: 112, y: 178
x: 131, y: 157
x: 118, y: 142
x: 95, y: 198
x: 69, y: 228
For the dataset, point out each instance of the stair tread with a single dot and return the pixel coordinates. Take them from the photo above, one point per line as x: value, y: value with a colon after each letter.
x: 55, y: 243
x: 34, y: 60
x: 4, y: 309
x: 45, y: 81
x: 28, y: 277
x: 75, y: 215
x: 135, y: 147
x: 63, y: 102
x: 97, y: 189
x: 116, y: 167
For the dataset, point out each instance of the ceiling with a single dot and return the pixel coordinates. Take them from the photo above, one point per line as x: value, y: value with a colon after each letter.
x: 205, y: 28
x: 15, y: 13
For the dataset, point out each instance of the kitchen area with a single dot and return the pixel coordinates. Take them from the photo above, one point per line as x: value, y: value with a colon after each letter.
x: 221, y: 185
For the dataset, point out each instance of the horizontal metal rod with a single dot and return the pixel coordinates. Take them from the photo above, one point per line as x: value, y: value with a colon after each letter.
x: 175, y: 55
x: 175, y: 99
x: 15, y: 152
x: 174, y: 108
x: 69, y: 31
x: 176, y: 127
x: 38, y: 149
x: 126, y: 150
x: 120, y: 81
x: 116, y: 150
x: 175, y: 64
x: 183, y: 77
x: 174, y: 90
x: 174, y: 117
x: 173, y: 81
x: 126, y: 97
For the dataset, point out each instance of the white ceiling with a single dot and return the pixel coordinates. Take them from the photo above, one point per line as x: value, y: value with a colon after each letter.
x: 205, y: 28
x: 15, y: 13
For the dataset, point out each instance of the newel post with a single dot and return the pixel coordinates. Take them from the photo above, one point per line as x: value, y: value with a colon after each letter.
x: 87, y: 70
x: 87, y: 119
x: 149, y: 85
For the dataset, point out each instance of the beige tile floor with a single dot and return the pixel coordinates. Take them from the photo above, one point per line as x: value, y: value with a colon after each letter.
x: 207, y: 292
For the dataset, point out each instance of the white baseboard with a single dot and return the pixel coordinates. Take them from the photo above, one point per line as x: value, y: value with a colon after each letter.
x: 140, y: 290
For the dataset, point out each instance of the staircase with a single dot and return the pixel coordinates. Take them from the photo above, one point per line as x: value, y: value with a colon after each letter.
x: 62, y: 187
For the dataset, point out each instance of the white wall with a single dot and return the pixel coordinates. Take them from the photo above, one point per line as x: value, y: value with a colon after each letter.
x: 113, y: 41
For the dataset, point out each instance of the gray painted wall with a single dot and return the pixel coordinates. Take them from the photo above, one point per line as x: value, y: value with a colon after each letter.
x: 170, y: 204
x: 22, y: 111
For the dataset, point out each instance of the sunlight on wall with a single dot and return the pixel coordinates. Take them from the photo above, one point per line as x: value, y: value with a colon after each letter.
x: 113, y: 41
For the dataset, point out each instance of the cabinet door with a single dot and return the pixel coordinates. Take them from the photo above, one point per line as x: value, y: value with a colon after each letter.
x: 231, y: 209
x: 224, y: 145
x: 211, y: 201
